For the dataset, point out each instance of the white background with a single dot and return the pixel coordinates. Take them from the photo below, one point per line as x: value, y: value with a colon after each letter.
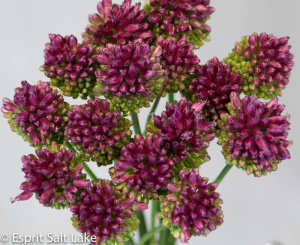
x: 256, y: 211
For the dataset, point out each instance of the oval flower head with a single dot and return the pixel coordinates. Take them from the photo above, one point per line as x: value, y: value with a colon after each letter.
x: 38, y: 113
x: 213, y: 84
x: 54, y: 175
x: 143, y: 167
x: 192, y: 207
x: 265, y: 63
x: 69, y: 66
x: 104, y: 212
x: 184, y: 132
x: 253, y: 135
x: 130, y: 76
x: 98, y: 131
x: 117, y: 24
x: 176, y: 18
x: 178, y: 62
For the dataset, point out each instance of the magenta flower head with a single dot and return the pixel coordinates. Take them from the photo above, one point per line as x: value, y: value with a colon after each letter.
x: 175, y: 18
x: 192, y: 207
x: 98, y: 131
x: 184, y: 132
x: 178, y: 62
x: 143, y: 167
x: 104, y: 212
x: 54, y: 175
x: 265, y: 63
x: 253, y: 135
x: 117, y: 24
x: 69, y: 65
x: 130, y: 75
x: 38, y: 113
x: 213, y: 84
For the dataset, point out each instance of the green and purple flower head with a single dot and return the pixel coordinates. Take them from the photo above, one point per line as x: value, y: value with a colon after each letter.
x: 130, y: 75
x: 117, y: 24
x: 178, y: 62
x: 192, y: 206
x: 143, y: 167
x: 213, y: 84
x: 185, y: 134
x: 175, y: 18
x: 104, y: 212
x: 265, y: 63
x: 98, y: 131
x: 253, y: 135
x: 38, y: 113
x: 54, y: 176
x: 69, y: 65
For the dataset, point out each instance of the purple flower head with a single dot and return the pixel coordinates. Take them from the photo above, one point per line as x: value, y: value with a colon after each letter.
x: 144, y: 167
x: 54, y: 175
x: 253, y: 135
x: 69, y: 65
x: 265, y: 63
x: 117, y: 24
x: 130, y: 74
x: 38, y: 113
x: 192, y: 206
x: 184, y: 132
x: 175, y: 18
x: 104, y: 212
x: 213, y: 84
x: 178, y: 62
x: 97, y: 131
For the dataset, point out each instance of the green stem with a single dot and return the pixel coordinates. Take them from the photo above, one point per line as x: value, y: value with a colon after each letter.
x: 142, y: 225
x: 154, y: 106
x: 151, y: 234
x: 155, y: 209
x: 172, y: 240
x: 92, y: 96
x: 89, y: 172
x: 171, y: 97
x: 223, y: 174
x: 85, y: 166
x: 163, y: 237
x: 130, y: 241
x: 136, y: 124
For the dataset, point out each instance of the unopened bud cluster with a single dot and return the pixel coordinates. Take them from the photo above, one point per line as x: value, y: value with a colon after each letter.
x: 54, y: 175
x: 265, y: 63
x: 253, y: 135
x: 98, y: 131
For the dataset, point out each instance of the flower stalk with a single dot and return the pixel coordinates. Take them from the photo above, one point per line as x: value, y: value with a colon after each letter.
x: 85, y: 166
x: 223, y: 173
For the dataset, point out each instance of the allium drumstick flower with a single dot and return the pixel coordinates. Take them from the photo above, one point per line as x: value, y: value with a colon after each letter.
x: 175, y: 18
x: 178, y: 62
x: 98, y: 131
x: 117, y: 24
x: 38, y: 113
x: 69, y: 65
x: 213, y: 84
x: 130, y: 75
x: 184, y: 132
x: 143, y: 167
x: 265, y: 63
x: 192, y: 207
x: 104, y: 212
x: 54, y: 175
x: 254, y: 135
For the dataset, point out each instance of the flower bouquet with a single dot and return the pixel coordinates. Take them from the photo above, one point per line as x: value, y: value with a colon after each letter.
x: 131, y: 56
